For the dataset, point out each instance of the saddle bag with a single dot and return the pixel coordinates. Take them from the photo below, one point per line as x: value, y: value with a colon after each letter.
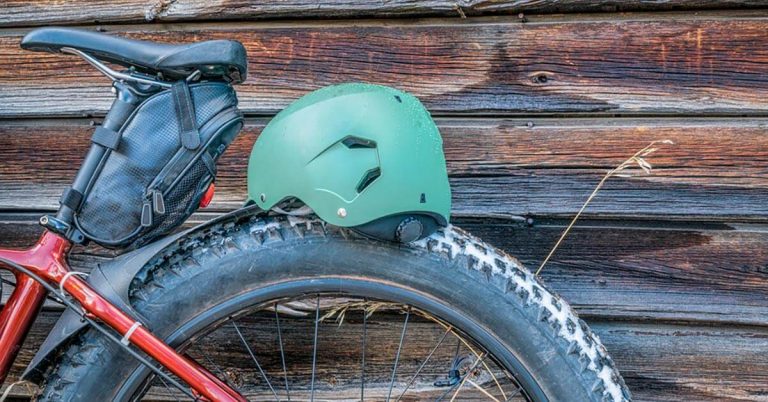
x: 159, y: 165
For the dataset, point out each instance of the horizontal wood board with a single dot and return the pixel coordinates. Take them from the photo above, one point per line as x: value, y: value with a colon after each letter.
x: 659, y: 362
x: 46, y: 12
x: 636, y: 64
x: 606, y: 268
x: 717, y: 169
x: 669, y: 269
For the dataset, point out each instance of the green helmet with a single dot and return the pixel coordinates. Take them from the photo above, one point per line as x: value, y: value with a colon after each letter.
x: 360, y: 155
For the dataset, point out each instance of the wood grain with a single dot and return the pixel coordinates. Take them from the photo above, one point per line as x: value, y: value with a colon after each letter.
x: 717, y: 169
x: 637, y: 64
x: 646, y: 270
x: 606, y: 268
x: 659, y: 362
x: 670, y: 270
x: 693, y: 363
x: 32, y: 13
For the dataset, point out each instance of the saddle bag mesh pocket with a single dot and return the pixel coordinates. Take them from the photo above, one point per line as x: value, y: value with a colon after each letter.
x: 153, y: 181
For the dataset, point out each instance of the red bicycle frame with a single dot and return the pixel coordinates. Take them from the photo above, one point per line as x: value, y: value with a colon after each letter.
x: 47, y: 260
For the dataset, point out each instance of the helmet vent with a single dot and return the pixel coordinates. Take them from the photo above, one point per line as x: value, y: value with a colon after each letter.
x: 369, y: 177
x: 352, y: 142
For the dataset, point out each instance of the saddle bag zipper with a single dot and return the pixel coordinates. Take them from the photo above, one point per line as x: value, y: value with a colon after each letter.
x: 153, y: 205
x: 154, y: 199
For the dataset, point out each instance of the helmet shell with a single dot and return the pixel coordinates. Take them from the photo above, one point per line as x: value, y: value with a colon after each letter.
x: 353, y: 153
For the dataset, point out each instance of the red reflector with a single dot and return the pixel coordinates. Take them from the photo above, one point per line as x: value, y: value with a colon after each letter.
x: 208, y: 196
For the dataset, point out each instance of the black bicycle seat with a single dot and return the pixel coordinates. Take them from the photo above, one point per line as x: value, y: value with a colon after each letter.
x: 217, y: 59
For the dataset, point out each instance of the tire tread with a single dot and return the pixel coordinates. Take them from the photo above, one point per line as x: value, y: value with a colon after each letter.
x: 575, y: 340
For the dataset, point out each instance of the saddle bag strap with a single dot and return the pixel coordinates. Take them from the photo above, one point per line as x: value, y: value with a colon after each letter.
x: 154, y: 202
x: 185, y: 112
x: 72, y: 199
x: 106, y: 138
x: 171, y: 172
x: 110, y: 137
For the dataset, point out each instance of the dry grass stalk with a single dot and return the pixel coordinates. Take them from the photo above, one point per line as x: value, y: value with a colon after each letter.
x: 369, y: 307
x: 340, y: 310
x: 7, y: 392
x: 637, y: 159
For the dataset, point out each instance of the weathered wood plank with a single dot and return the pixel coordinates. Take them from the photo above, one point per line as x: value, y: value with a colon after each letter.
x: 690, y: 363
x: 607, y: 269
x: 527, y: 193
x: 32, y: 13
x: 717, y: 168
x: 659, y: 362
x: 658, y: 272
x: 633, y: 64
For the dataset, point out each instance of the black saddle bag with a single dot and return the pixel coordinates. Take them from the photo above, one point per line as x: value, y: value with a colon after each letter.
x: 159, y: 165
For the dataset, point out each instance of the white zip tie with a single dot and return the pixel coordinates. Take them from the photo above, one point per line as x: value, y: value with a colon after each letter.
x: 10, y: 387
x: 126, y: 338
x: 66, y: 276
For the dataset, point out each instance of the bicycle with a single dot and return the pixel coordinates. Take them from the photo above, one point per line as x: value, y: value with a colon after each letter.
x: 269, y: 281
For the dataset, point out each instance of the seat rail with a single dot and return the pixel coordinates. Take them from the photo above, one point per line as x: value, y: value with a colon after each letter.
x: 116, y: 75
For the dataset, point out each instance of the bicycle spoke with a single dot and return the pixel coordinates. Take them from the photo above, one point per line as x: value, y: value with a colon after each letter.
x: 314, y: 349
x: 455, y: 356
x: 168, y: 389
x: 493, y: 376
x: 457, y: 384
x: 221, y: 374
x: 448, y: 391
x: 258, y: 366
x: 362, y: 370
x: 466, y: 376
x: 424, y: 363
x: 399, y: 349
x: 517, y: 391
x: 469, y: 358
x: 458, y: 347
x: 282, y: 353
x: 495, y: 380
x: 479, y: 388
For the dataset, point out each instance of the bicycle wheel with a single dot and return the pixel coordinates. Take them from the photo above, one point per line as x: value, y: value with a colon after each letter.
x: 294, y: 309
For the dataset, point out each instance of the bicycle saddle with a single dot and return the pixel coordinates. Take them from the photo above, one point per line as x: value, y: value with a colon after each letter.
x: 216, y: 59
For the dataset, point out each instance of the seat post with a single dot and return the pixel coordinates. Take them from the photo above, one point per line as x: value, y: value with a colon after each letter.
x: 126, y: 100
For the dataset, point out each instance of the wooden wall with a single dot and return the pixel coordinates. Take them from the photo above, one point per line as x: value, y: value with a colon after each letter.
x: 535, y: 101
